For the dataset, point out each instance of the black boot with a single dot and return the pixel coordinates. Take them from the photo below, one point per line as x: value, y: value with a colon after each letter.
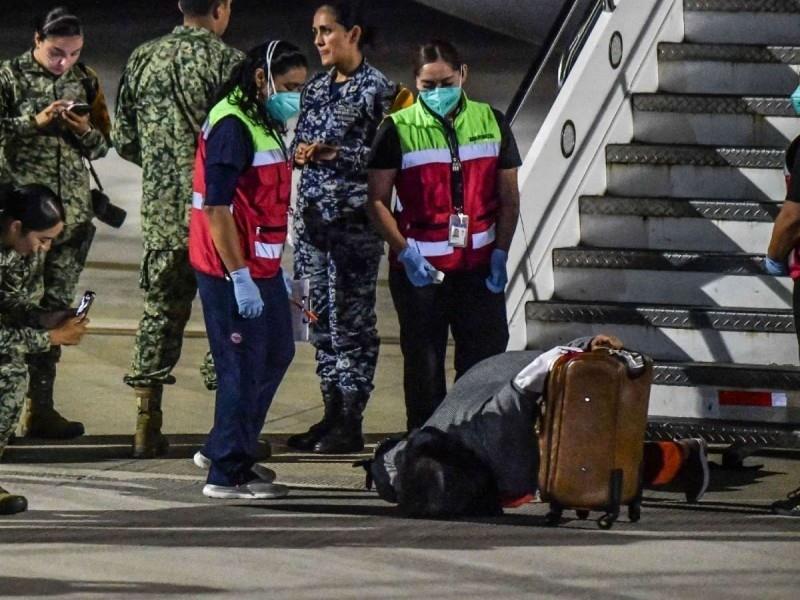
x: 41, y: 419
x: 305, y: 442
x: 11, y: 504
x: 346, y: 435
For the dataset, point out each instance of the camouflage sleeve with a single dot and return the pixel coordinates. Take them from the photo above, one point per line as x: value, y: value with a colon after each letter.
x: 12, y: 124
x: 124, y: 131
x: 23, y: 340
x: 354, y: 156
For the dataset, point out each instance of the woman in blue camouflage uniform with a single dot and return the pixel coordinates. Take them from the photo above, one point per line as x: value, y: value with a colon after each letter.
x: 31, y: 217
x: 336, y: 247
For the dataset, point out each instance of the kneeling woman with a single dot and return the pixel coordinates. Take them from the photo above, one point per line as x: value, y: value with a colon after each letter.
x: 242, y: 187
x: 31, y: 217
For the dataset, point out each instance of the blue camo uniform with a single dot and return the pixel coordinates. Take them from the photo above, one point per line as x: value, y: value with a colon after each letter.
x: 336, y: 247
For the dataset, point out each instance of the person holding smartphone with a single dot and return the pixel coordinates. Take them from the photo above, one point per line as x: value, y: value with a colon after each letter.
x: 46, y: 132
x: 31, y: 219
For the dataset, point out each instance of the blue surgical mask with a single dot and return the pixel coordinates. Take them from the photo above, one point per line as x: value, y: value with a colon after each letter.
x: 282, y: 106
x: 441, y: 100
x: 796, y: 101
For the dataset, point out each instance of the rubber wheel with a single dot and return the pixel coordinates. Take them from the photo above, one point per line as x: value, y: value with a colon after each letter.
x: 582, y: 514
x: 605, y: 522
x: 553, y: 518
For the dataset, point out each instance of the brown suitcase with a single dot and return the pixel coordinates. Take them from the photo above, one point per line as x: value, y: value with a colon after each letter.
x: 591, y: 434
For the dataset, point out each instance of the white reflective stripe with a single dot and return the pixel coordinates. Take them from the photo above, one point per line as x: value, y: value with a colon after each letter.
x: 398, y: 206
x: 198, y: 201
x: 476, y: 151
x: 206, y: 129
x: 431, y: 248
x: 479, y: 240
x: 426, y: 157
x: 268, y: 157
x: 264, y: 250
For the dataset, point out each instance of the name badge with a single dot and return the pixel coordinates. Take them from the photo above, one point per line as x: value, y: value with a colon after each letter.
x: 459, y: 229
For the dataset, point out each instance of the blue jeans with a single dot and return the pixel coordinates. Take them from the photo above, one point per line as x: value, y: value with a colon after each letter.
x: 251, y: 358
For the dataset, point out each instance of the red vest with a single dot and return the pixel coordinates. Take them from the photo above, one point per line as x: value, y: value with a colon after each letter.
x: 425, y: 183
x: 260, y: 204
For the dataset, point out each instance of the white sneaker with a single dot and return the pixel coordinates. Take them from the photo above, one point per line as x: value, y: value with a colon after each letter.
x: 254, y: 490
x: 265, y: 474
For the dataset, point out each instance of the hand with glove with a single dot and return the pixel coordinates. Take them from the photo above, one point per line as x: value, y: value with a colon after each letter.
x: 775, y: 267
x: 420, y: 272
x: 498, y: 277
x: 248, y: 296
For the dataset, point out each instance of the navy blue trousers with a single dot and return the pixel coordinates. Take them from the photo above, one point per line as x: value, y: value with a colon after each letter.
x: 251, y: 358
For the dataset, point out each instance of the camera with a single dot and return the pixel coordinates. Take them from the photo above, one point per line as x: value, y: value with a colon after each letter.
x: 106, y: 211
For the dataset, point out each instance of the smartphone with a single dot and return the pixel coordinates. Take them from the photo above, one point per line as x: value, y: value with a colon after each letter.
x: 80, y: 108
x: 85, y: 305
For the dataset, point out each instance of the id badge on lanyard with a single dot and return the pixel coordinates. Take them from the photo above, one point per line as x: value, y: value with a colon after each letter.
x: 459, y: 229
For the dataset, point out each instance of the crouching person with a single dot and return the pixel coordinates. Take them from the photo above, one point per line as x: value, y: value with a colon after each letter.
x: 31, y: 217
x: 478, y: 453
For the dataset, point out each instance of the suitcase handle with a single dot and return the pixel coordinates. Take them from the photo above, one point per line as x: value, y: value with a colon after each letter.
x: 636, y: 362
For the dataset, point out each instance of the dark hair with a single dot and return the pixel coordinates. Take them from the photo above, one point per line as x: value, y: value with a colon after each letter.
x: 59, y: 22
x: 434, y: 51
x: 35, y: 206
x: 349, y: 14
x: 287, y: 56
x: 199, y: 8
x: 438, y: 477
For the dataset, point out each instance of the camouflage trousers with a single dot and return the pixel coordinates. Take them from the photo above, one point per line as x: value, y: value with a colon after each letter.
x: 54, y: 289
x: 62, y: 267
x: 13, y: 383
x: 341, y: 260
x: 169, y: 286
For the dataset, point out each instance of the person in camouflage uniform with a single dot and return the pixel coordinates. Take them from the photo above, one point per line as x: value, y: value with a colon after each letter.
x: 41, y: 141
x: 336, y: 246
x: 165, y: 93
x: 31, y: 218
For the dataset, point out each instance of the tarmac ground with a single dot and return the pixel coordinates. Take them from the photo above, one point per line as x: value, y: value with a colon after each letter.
x: 103, y: 525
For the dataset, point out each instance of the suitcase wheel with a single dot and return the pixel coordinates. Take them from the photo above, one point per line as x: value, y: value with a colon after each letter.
x: 607, y: 521
x: 582, y: 514
x: 554, y: 516
x: 635, y: 512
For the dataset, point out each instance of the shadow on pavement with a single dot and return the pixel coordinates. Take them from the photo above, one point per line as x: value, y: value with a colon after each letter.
x: 18, y: 587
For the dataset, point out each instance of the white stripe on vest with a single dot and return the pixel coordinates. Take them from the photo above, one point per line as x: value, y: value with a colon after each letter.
x: 272, y: 251
x: 268, y: 157
x: 198, y: 200
x: 480, y: 240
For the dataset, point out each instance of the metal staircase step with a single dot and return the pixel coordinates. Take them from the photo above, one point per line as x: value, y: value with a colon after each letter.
x: 668, y: 332
x: 735, y: 392
x: 691, y: 171
x: 742, y: 21
x: 696, y: 156
x: 676, y: 224
x: 656, y: 276
x: 718, y: 120
x: 728, y: 69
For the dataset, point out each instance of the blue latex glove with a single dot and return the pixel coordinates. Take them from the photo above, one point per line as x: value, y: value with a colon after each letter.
x: 498, y: 278
x: 774, y: 267
x: 419, y: 271
x: 248, y: 296
x: 287, y: 283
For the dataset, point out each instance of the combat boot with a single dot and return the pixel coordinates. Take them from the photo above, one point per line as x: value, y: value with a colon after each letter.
x: 148, y: 441
x: 11, y: 504
x: 346, y: 435
x: 305, y: 442
x: 41, y: 419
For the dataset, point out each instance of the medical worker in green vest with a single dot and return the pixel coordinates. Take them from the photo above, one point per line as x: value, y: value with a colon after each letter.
x: 453, y: 162
x: 240, y: 205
